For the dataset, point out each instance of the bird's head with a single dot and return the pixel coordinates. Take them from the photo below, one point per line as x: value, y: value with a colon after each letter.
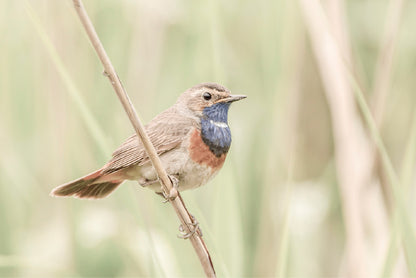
x: 207, y: 100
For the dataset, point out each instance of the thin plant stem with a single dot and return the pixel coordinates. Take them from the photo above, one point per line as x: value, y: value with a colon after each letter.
x: 167, y: 186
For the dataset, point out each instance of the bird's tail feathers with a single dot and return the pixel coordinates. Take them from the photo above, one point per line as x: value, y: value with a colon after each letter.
x: 91, y: 186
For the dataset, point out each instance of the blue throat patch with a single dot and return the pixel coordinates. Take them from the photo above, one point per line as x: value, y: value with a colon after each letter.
x: 214, y: 128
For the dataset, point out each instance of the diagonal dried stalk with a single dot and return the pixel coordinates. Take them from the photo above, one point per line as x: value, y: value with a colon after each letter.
x: 381, y: 88
x: 177, y: 203
x: 382, y: 81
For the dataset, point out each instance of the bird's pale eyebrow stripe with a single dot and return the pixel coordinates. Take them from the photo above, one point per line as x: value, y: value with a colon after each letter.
x: 219, y: 124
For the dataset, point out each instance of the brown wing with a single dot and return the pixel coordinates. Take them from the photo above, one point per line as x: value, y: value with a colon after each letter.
x: 166, y: 131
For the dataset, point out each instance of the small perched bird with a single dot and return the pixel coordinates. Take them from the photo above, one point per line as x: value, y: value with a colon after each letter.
x: 192, y: 138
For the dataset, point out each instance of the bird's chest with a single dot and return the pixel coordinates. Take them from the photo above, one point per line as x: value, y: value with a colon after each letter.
x: 198, y: 158
x: 202, y: 164
x: 206, y: 154
x: 207, y: 147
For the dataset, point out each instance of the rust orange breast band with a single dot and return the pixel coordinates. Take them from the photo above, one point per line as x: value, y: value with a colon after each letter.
x: 201, y: 154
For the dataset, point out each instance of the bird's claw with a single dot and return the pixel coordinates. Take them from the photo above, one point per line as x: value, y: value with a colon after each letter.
x: 173, y: 193
x: 193, y: 228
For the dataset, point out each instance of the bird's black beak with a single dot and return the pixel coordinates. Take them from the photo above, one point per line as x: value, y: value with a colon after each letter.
x: 232, y: 98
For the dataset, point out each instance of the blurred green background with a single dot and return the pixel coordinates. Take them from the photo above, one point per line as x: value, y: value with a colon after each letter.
x: 276, y: 208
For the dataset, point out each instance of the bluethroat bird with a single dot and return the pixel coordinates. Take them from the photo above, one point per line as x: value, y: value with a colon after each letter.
x: 192, y: 138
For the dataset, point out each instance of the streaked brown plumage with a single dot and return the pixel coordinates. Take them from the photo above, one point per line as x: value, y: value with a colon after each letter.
x: 186, y: 157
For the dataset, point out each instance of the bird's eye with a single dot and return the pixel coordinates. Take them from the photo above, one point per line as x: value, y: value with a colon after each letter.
x: 206, y: 96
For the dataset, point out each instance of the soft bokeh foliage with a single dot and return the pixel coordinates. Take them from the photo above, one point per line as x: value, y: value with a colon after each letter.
x: 274, y: 209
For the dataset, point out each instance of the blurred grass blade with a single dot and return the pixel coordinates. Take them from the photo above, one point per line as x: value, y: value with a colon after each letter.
x: 330, y: 57
x: 348, y: 135
x: 383, y: 70
x: 393, y: 250
x: 409, y: 242
x: 409, y: 161
x: 93, y: 126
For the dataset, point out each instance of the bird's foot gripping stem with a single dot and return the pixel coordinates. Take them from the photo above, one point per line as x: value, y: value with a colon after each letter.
x: 173, y: 191
x: 193, y: 228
